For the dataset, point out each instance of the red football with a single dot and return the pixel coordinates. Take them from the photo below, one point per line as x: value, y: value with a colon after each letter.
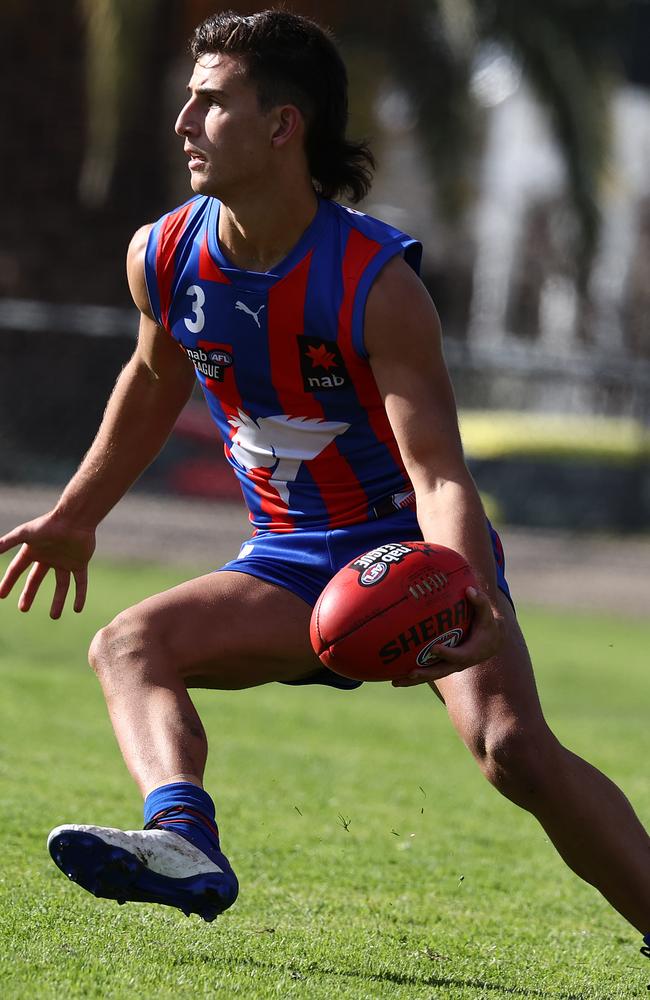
x: 383, y: 614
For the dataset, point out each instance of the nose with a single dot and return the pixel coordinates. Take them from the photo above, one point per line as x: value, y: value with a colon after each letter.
x: 186, y: 124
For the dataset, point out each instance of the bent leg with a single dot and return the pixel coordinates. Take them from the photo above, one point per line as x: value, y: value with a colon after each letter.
x: 222, y: 630
x: 496, y: 710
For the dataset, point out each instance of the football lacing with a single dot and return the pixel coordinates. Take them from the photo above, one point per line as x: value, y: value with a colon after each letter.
x: 428, y: 584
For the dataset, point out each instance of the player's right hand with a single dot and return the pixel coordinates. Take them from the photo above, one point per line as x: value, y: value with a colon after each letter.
x: 49, y: 542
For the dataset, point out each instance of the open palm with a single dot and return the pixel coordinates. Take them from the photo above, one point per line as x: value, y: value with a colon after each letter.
x: 48, y: 543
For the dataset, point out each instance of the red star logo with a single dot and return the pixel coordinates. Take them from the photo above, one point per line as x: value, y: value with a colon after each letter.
x: 320, y: 357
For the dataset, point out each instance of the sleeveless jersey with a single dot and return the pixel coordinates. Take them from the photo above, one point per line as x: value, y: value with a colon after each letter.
x: 281, y: 360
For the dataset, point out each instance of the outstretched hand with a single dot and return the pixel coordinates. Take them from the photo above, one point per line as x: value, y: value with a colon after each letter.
x: 483, y: 642
x: 49, y: 542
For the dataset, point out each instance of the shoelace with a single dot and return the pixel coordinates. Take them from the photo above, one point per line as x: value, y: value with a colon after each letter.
x: 194, y: 817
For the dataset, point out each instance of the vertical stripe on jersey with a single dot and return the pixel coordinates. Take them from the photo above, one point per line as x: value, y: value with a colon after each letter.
x: 225, y: 396
x: 168, y: 240
x: 359, y: 252
x: 286, y: 321
x: 208, y: 269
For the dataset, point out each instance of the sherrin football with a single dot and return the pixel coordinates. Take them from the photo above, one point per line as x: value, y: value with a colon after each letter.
x: 384, y: 614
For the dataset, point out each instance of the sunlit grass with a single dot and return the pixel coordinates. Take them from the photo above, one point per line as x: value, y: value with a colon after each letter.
x: 374, y: 860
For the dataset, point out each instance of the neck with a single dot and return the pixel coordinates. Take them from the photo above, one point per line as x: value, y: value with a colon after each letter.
x: 259, y: 231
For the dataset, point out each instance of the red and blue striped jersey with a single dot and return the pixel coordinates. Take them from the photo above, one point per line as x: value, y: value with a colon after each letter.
x: 281, y: 360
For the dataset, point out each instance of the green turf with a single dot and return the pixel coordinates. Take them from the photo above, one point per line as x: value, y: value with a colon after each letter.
x: 506, y: 434
x: 375, y: 862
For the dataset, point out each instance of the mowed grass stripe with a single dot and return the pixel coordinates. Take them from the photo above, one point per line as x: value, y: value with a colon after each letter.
x: 374, y: 859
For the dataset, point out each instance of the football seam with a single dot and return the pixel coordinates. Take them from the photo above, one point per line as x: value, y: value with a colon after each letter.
x: 358, y: 624
x: 364, y: 621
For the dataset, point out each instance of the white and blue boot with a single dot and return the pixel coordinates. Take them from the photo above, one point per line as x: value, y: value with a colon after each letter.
x: 145, y: 866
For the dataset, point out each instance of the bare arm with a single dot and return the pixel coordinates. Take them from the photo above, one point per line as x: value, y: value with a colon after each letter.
x: 149, y: 395
x: 405, y: 349
x: 144, y: 405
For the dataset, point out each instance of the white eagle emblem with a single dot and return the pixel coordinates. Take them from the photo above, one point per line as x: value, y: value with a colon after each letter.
x: 281, y: 443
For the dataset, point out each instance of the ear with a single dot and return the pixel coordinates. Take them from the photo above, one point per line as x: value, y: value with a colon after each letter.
x: 288, y: 122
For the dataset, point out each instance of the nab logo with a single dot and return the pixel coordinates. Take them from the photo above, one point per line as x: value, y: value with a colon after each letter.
x: 322, y: 365
x: 210, y: 359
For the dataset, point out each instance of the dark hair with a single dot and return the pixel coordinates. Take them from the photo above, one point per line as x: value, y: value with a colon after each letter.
x: 292, y: 59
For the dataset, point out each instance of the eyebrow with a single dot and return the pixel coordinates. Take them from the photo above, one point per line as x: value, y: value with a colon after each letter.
x: 207, y: 91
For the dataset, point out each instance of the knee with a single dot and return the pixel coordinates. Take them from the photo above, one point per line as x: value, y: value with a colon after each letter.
x: 127, y: 643
x: 518, y: 761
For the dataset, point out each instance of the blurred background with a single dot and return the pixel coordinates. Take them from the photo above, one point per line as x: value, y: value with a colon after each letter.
x: 512, y: 138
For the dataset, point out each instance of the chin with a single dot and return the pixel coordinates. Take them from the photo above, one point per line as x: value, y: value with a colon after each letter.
x: 204, y: 185
x: 198, y: 183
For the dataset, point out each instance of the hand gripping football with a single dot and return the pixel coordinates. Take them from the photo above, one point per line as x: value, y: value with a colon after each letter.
x: 383, y: 614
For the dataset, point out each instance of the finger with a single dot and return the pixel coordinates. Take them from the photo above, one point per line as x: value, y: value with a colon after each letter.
x: 450, y: 654
x: 477, y: 647
x: 487, y: 616
x: 405, y: 682
x: 14, y: 571
x: 480, y: 602
x: 19, y: 534
x: 37, y: 574
x: 60, y: 592
x: 426, y: 676
x: 81, y: 589
x: 473, y: 650
x: 474, y: 643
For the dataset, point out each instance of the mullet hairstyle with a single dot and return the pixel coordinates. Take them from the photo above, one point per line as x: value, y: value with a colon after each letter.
x: 292, y: 60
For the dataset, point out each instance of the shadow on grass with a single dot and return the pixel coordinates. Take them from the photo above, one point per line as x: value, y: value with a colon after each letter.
x: 399, y: 979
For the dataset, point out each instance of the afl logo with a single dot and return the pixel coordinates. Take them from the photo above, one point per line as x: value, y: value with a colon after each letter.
x: 220, y: 357
x: 373, y: 574
x: 427, y: 655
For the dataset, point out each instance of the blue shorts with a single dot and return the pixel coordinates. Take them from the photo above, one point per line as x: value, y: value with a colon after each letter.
x: 305, y: 561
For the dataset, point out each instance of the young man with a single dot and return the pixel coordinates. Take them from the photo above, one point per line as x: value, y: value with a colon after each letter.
x: 318, y: 350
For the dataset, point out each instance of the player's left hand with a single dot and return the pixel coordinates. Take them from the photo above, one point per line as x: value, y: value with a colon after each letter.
x: 483, y: 642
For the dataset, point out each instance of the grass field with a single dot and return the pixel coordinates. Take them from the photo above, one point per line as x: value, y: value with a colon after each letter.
x: 375, y: 862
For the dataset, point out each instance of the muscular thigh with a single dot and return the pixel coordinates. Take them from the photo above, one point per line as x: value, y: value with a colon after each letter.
x: 500, y: 691
x: 228, y: 630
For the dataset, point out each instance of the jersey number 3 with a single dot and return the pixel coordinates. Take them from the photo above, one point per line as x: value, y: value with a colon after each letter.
x: 196, y: 325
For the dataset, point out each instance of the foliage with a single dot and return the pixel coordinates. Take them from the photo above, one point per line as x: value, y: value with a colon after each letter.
x: 430, y: 46
x: 568, y: 57
x: 115, y: 30
x: 567, y: 52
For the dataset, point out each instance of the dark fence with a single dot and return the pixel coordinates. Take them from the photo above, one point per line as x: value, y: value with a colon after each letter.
x: 58, y: 365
